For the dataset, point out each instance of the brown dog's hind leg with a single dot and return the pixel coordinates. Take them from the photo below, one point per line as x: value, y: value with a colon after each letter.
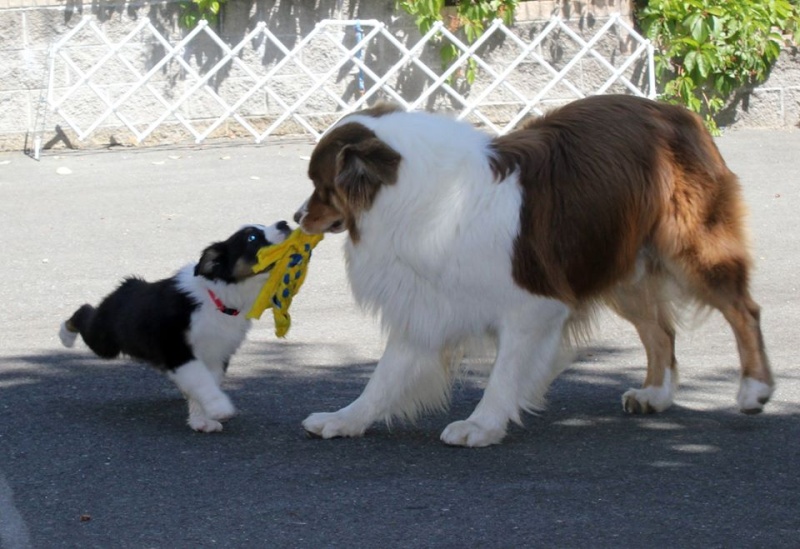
x: 726, y: 290
x: 704, y: 245
x: 645, y: 305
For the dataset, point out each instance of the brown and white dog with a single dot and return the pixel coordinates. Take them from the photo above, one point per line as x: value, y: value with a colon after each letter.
x: 612, y: 200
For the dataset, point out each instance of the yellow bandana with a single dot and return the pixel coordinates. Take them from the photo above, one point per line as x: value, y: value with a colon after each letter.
x: 290, y: 259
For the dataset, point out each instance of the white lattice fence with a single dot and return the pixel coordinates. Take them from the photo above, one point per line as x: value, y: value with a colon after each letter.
x: 140, y: 81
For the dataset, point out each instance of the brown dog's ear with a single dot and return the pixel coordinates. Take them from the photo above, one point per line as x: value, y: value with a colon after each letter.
x: 361, y: 169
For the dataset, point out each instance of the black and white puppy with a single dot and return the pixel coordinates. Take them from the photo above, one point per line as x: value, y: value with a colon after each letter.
x: 189, y: 325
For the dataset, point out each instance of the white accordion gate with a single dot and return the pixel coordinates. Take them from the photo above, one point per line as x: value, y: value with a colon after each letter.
x: 259, y: 87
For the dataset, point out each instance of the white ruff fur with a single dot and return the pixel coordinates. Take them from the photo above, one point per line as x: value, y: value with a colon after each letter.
x: 214, y: 336
x: 434, y: 260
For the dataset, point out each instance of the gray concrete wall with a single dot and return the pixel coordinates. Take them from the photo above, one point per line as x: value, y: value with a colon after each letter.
x: 28, y: 28
x: 773, y: 104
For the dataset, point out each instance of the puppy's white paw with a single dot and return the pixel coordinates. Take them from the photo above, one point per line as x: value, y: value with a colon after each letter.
x: 332, y: 425
x: 66, y: 335
x: 471, y: 434
x: 204, y: 424
x: 753, y: 394
x: 220, y: 408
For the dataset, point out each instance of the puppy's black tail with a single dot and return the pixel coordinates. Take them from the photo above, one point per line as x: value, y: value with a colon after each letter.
x: 77, y: 323
x: 94, y: 334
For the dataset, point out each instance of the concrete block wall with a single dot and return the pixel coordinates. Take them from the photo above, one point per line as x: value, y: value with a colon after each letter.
x: 773, y: 104
x: 29, y: 27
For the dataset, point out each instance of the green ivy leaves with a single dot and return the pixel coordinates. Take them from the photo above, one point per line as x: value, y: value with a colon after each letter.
x: 707, y: 49
x: 193, y: 11
x: 469, y: 16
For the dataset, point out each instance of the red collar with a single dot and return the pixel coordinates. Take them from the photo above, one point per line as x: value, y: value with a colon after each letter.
x: 221, y: 306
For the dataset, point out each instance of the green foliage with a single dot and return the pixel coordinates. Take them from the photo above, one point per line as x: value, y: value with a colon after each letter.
x: 192, y: 11
x: 469, y: 16
x: 706, y: 49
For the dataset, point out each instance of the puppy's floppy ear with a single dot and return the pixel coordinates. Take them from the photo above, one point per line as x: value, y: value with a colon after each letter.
x: 361, y: 169
x: 211, y: 263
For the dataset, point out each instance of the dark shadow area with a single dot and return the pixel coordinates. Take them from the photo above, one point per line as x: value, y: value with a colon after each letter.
x: 108, y: 440
x: 105, y: 10
x: 60, y: 136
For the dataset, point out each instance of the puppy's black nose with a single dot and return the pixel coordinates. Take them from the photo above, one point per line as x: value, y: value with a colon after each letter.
x: 283, y: 227
x: 297, y: 215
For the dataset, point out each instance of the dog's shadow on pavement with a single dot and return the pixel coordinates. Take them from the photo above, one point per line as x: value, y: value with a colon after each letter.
x: 83, y: 433
x: 126, y: 398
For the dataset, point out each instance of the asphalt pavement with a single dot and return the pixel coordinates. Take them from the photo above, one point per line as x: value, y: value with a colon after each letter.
x: 96, y: 454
